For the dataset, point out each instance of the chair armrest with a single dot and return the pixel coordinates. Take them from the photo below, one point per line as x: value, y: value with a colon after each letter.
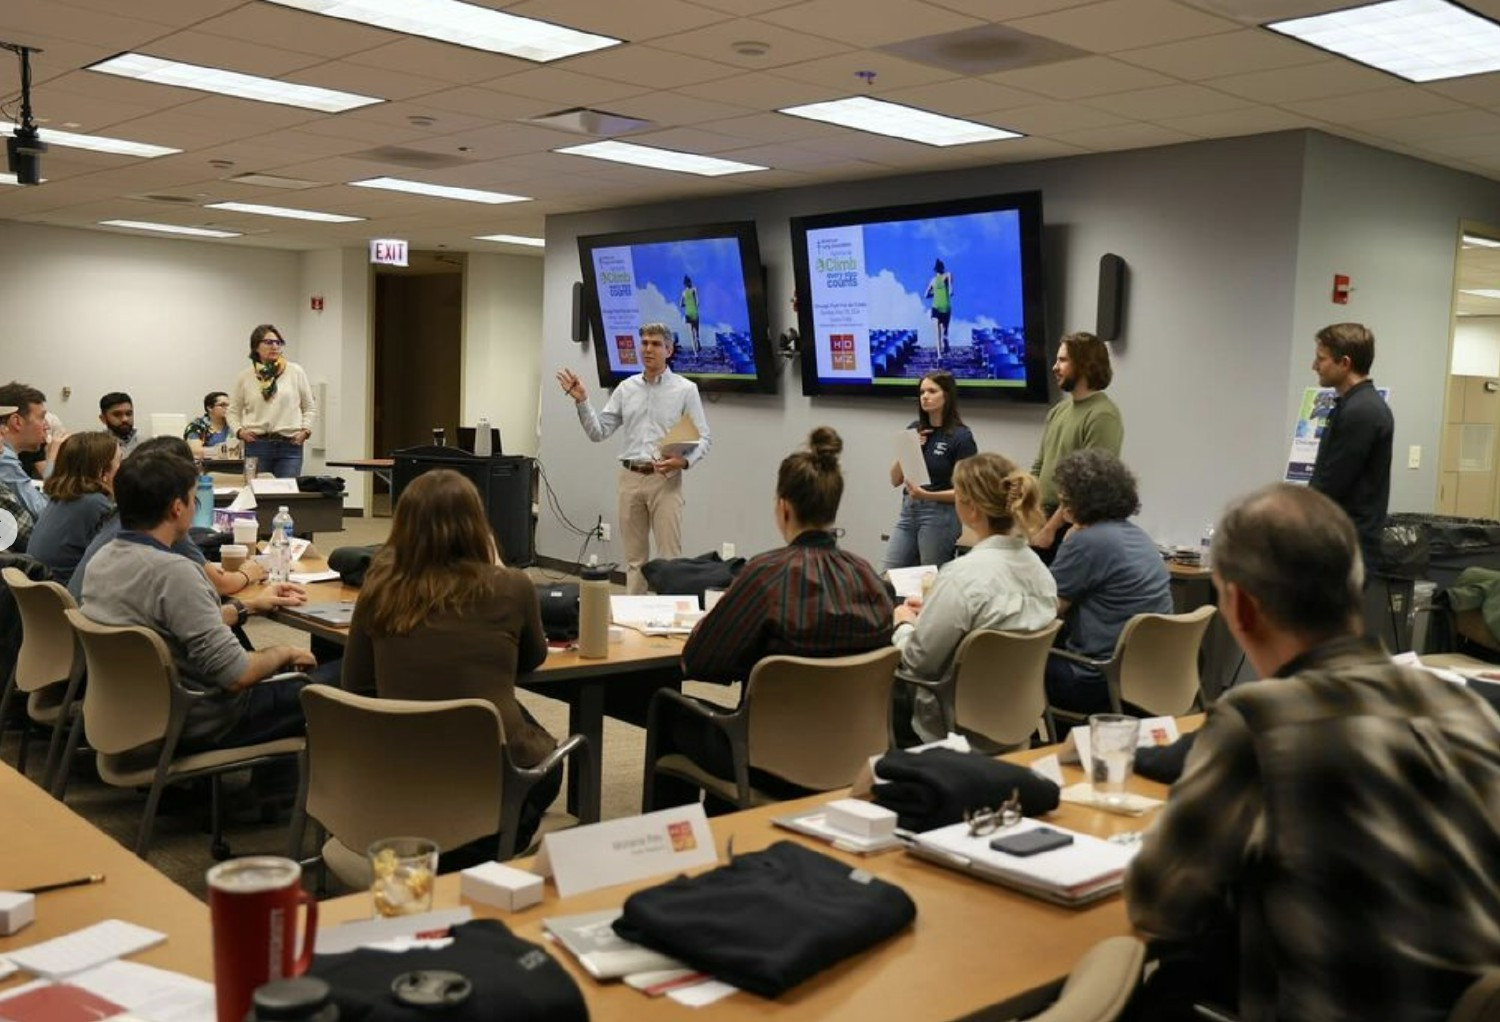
x: 1063, y: 654
x: 549, y: 762
x: 929, y: 683
x: 520, y: 780
x: 301, y: 676
x: 716, y: 715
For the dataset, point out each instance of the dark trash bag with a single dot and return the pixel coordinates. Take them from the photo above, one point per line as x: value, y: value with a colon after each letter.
x: 512, y: 979
x: 684, y: 576
x: 351, y: 562
x: 932, y: 789
x: 768, y: 920
x: 330, y: 485
x: 1437, y: 547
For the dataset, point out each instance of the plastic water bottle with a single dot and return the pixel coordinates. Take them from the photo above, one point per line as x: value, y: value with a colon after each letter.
x: 1205, y: 545
x: 279, y: 549
x: 203, y: 510
x: 482, y: 438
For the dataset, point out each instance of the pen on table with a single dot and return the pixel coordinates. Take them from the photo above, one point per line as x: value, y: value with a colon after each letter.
x: 92, y: 878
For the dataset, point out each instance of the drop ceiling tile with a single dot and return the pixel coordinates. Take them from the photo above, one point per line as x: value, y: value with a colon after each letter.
x: 690, y: 140
x: 487, y: 103
x: 765, y: 91
x: 566, y: 88
x: 774, y: 127
x: 986, y: 10
x: 840, y: 73
x: 165, y: 12
x: 182, y: 130
x: 1080, y: 79
x: 1052, y: 119
x: 91, y: 114
x: 962, y: 97
x: 1125, y: 136
x: 93, y: 84
x: 1022, y: 150
x: 1416, y: 130
x: 1307, y: 82
x: 857, y: 22
x: 446, y: 62
x: 1471, y: 147
x: 642, y: 65
x: 298, y: 31
x: 785, y: 157
x: 1218, y: 55
x: 26, y: 18
x: 56, y: 57
x: 635, y: 21
x: 1116, y: 25
x: 859, y: 145
x: 1255, y: 120
x: 248, y: 115
x: 677, y: 108
x: 1169, y: 101
x: 232, y: 54
x: 1383, y: 104
x: 492, y: 141
x: 743, y: 8
x: 717, y: 42
x: 370, y: 81
x: 1477, y: 90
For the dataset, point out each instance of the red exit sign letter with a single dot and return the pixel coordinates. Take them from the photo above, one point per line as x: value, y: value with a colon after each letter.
x: 388, y: 252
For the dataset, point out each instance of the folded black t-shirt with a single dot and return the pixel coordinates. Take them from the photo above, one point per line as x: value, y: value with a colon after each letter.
x: 932, y: 789
x: 768, y: 920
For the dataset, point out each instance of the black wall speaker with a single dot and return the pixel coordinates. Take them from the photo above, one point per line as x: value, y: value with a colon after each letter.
x: 1111, y: 297
x: 580, y: 316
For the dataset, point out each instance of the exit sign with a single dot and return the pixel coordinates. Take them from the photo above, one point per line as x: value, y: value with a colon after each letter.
x: 388, y: 252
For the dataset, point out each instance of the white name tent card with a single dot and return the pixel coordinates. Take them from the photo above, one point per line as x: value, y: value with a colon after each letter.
x: 265, y: 486
x: 1155, y: 731
x: 633, y: 848
x: 654, y: 615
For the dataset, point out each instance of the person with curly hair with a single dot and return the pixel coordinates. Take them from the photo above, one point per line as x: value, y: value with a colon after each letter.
x: 1107, y: 571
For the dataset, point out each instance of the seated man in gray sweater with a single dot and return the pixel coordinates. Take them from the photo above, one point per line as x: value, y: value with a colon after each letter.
x: 136, y: 579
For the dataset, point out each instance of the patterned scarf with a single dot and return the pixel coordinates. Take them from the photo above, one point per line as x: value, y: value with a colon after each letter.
x: 268, y: 373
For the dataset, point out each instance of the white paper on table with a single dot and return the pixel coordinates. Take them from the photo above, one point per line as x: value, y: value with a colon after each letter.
x: 270, y: 485
x: 1049, y: 767
x: 650, y: 611
x: 144, y: 990
x: 297, y: 547
x: 6, y: 968
x: 909, y: 454
x: 244, y: 502
x: 701, y: 995
x: 85, y: 948
x: 334, y: 940
x: 908, y: 581
x: 307, y: 578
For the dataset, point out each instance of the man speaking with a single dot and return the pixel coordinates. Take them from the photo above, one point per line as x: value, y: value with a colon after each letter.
x: 647, y: 405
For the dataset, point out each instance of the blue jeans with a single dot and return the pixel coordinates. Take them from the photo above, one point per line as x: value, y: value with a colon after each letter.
x: 925, y: 533
x: 281, y: 458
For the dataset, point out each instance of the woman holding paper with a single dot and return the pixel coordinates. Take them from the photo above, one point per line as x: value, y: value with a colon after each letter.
x: 1001, y: 583
x: 440, y: 617
x: 928, y: 528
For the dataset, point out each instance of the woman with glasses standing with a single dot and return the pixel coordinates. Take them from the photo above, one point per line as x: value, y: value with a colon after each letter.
x: 271, y: 406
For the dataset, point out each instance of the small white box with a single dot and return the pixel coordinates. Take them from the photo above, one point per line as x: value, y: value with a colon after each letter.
x: 504, y: 887
x: 16, y: 910
x: 856, y: 816
x: 616, y: 635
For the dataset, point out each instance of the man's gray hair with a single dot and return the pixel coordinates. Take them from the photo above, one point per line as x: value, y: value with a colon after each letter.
x: 1296, y: 552
x: 661, y: 330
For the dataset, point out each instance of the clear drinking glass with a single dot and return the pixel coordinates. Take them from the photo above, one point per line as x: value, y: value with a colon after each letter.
x: 252, y: 466
x: 402, y: 871
x: 1112, y: 742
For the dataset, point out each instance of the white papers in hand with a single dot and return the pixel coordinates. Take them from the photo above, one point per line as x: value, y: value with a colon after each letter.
x: 908, y: 581
x: 909, y: 454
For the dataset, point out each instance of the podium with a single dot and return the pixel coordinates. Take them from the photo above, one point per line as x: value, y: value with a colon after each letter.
x: 506, y: 485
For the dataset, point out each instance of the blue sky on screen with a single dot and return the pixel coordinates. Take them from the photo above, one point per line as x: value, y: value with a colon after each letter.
x: 981, y: 250
x: 714, y: 265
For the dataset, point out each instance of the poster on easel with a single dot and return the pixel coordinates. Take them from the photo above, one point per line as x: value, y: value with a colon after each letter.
x: 1312, y: 420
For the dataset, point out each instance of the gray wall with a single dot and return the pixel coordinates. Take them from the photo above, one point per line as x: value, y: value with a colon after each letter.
x: 1210, y: 234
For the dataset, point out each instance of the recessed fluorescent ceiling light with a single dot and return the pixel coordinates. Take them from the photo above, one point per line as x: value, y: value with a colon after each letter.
x: 1483, y: 292
x: 290, y: 214
x: 512, y: 239
x: 1419, y: 40
x: 465, y: 24
x: 97, y: 143
x: 659, y: 159
x: 1475, y: 241
x: 231, y: 83
x: 144, y: 225
x: 882, y: 118
x: 396, y: 184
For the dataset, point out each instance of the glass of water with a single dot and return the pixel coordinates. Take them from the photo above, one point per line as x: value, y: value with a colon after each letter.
x: 1112, y: 742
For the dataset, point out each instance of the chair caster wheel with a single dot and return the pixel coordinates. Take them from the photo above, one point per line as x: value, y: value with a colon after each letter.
x: 220, y: 851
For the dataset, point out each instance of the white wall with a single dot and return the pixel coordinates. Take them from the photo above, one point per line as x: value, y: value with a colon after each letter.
x: 1476, y: 346
x: 334, y: 347
x: 502, y: 353
x: 166, y: 320
x: 1209, y: 232
x: 1392, y: 224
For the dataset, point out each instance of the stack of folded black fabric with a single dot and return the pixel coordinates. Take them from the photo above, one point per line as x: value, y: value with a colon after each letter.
x: 768, y: 920
x: 932, y: 789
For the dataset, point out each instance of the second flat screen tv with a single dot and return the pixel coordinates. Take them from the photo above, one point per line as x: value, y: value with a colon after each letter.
x: 887, y: 295
x: 704, y: 283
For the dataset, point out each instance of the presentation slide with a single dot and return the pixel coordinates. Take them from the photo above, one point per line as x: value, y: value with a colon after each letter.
x: 892, y: 301
x: 697, y: 288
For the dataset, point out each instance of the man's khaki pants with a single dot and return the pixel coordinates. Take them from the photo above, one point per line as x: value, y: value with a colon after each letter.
x: 650, y: 505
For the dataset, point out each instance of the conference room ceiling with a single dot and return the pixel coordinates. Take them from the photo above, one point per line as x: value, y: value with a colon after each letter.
x: 1095, y: 76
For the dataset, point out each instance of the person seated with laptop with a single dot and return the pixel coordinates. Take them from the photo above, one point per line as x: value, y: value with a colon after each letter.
x: 808, y: 598
x: 440, y: 617
x: 1107, y: 571
x: 137, y: 579
x: 1000, y: 583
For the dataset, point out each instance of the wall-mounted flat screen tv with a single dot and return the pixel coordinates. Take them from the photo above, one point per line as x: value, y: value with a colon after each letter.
x: 705, y: 283
x: 888, y: 295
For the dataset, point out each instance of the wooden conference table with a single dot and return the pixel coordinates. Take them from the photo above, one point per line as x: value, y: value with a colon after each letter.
x: 620, y: 685
x: 976, y: 950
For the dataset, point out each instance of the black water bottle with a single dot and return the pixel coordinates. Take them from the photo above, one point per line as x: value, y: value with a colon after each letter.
x: 304, y: 999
